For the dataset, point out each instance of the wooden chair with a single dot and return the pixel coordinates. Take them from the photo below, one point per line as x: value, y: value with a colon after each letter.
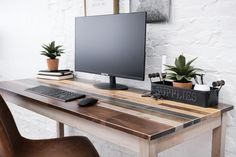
x: 12, y: 144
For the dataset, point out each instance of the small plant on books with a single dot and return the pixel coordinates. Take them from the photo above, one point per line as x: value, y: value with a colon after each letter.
x: 52, y: 51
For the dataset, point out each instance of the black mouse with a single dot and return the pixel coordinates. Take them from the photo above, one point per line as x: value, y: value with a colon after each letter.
x: 87, y: 102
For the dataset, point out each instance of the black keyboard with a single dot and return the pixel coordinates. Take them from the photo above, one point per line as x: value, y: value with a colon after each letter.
x: 55, y: 93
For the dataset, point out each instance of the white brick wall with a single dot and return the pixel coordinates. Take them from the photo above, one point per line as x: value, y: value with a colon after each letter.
x: 198, y: 28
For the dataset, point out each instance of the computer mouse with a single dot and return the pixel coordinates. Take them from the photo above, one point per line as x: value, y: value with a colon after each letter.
x: 87, y: 102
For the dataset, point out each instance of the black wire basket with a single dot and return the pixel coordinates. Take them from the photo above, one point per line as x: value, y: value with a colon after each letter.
x: 189, y: 96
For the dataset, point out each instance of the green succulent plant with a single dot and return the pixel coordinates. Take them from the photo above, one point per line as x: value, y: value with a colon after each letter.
x: 182, y: 71
x: 51, y: 50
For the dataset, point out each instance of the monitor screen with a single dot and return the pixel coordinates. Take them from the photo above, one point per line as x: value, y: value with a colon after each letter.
x: 112, y: 45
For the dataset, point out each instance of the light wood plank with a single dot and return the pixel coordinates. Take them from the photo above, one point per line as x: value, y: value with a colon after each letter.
x: 147, y: 148
x: 171, y: 140
x: 218, y: 138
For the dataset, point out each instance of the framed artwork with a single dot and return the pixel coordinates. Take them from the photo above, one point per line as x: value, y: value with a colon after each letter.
x: 157, y: 10
x: 101, y: 7
x: 124, y: 6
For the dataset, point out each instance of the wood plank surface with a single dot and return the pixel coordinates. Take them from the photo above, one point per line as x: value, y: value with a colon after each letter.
x: 123, y: 110
x: 218, y: 138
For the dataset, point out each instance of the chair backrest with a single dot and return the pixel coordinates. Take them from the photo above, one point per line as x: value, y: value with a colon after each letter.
x: 6, y: 149
x: 9, y: 134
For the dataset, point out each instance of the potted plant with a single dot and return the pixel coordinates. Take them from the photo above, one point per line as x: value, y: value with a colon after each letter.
x: 52, y: 51
x: 182, y: 73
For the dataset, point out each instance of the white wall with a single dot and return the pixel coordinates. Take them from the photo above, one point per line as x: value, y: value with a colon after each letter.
x: 198, y: 28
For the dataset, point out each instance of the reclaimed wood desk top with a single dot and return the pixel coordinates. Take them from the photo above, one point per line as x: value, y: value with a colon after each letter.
x: 126, y: 110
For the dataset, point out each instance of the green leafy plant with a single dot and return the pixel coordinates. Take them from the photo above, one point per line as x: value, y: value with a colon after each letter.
x: 182, y: 71
x: 51, y: 50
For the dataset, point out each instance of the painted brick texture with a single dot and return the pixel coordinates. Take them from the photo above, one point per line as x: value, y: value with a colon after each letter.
x: 197, y: 28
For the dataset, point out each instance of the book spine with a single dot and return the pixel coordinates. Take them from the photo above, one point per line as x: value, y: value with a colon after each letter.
x: 65, y: 70
x: 55, y: 74
x: 55, y: 77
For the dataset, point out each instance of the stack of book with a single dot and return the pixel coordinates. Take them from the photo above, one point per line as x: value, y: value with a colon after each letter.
x: 55, y: 75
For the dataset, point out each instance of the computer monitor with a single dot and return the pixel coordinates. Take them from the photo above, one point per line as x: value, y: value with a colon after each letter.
x: 111, y: 45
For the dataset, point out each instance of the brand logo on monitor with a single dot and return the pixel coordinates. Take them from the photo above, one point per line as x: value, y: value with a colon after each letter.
x: 104, y: 74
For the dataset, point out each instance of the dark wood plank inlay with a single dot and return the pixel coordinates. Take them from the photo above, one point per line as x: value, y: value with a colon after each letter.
x: 144, y: 108
x: 184, y: 108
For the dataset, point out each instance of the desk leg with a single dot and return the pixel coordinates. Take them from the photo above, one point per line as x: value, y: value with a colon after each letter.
x: 60, y: 129
x: 147, y: 149
x: 218, y: 138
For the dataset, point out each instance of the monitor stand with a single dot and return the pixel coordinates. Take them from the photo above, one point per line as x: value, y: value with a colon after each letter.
x: 112, y: 85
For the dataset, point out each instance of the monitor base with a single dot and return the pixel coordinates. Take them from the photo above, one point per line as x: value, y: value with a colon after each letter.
x: 109, y: 87
x: 112, y: 85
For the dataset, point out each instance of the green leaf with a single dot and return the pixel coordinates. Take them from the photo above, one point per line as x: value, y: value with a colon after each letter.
x: 172, y: 68
x: 180, y: 61
x: 52, y: 44
x: 191, y: 61
x: 171, y: 76
x: 198, y: 69
x: 169, y: 66
x: 179, y: 77
x: 57, y: 47
x: 188, y: 78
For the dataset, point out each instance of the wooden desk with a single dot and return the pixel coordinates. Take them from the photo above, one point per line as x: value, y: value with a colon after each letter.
x: 143, y: 125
